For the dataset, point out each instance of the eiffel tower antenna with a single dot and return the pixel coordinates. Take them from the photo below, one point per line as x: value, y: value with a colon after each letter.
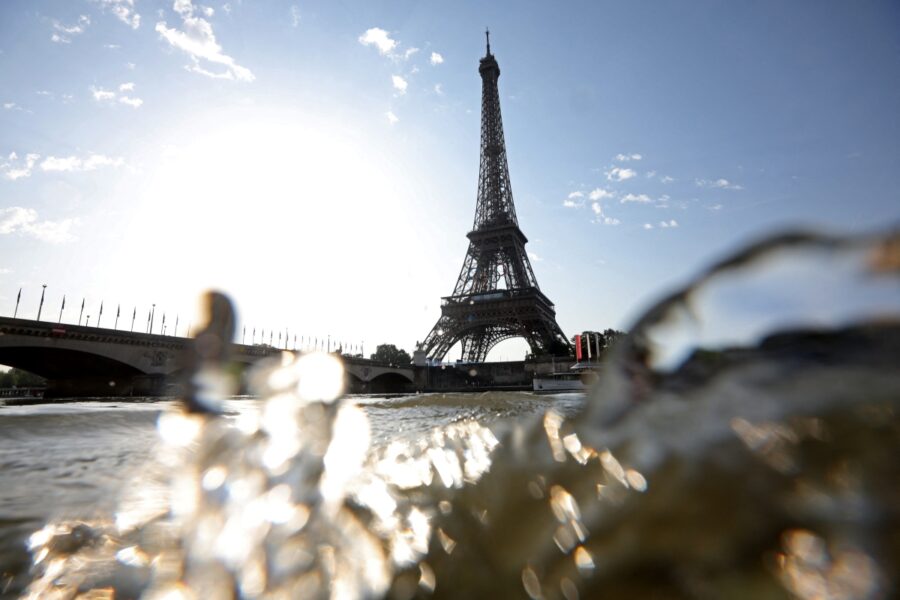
x: 496, y: 296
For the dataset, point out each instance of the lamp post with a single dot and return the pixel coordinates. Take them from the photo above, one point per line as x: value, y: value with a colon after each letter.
x: 152, y: 315
x: 42, y: 301
x: 87, y: 322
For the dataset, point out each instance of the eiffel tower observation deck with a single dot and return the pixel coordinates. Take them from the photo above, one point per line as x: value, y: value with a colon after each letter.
x: 496, y: 296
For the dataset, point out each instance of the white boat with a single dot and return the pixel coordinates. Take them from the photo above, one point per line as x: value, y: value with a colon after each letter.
x: 578, y: 378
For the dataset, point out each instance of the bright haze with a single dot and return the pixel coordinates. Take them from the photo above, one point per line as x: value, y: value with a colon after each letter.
x: 318, y: 160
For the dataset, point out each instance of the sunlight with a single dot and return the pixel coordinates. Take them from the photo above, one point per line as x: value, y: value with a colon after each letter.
x: 287, y: 211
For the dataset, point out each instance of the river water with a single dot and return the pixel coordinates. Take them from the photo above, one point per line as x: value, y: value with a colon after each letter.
x: 742, y: 442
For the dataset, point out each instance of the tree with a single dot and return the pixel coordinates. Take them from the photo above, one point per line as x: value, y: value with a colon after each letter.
x: 606, y: 341
x: 19, y: 378
x: 390, y: 353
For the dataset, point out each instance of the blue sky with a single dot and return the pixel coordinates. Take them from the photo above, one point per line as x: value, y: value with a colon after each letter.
x: 318, y: 160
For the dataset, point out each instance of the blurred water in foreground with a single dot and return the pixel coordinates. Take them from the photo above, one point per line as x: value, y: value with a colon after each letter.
x: 743, y: 443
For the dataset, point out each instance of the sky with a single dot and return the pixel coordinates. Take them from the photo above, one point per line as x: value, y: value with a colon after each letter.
x: 318, y: 160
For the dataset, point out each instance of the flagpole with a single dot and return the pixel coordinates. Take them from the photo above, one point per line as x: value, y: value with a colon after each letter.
x: 152, y: 315
x: 19, y: 297
x: 61, y: 308
x: 133, y: 316
x: 42, y: 302
x: 100, y: 316
x: 81, y: 314
x: 176, y: 326
x: 244, y: 336
x: 118, y: 311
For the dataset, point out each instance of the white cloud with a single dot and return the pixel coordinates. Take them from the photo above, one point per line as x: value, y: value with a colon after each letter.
x: 208, y: 11
x: 534, y: 257
x: 379, y: 38
x: 72, y: 164
x: 15, y: 169
x: 648, y: 226
x: 400, y: 84
x: 666, y: 179
x: 11, y: 106
x: 574, y: 200
x: 63, y: 33
x: 715, y: 207
x: 226, y: 8
x: 199, y: 42
x: 620, y: 174
x: 628, y: 157
x: 436, y: 58
x: 668, y: 224
x: 722, y: 184
x: 25, y: 222
x: 15, y: 217
x: 650, y: 174
x: 391, y: 117
x: 68, y: 163
x: 642, y: 198
x: 600, y: 194
x: 123, y: 10
x: 103, y: 95
x: 601, y: 217
x: 295, y: 15
x: 409, y: 52
x: 439, y: 89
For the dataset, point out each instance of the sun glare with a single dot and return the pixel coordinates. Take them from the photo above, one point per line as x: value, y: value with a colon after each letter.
x: 289, y: 213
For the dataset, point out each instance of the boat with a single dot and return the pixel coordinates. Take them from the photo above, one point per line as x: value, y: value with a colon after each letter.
x: 578, y: 378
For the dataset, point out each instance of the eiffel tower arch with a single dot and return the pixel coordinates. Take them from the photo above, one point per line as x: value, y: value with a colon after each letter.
x: 496, y: 296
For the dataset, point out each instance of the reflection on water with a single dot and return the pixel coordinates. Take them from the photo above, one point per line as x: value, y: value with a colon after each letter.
x: 718, y: 458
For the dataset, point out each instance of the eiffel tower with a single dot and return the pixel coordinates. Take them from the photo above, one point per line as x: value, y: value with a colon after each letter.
x: 496, y: 296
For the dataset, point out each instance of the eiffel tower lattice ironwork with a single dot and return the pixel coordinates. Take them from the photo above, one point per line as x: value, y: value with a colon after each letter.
x: 496, y: 296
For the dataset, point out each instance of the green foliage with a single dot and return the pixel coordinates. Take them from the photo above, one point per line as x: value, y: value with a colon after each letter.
x: 19, y: 378
x: 607, y: 338
x: 390, y: 353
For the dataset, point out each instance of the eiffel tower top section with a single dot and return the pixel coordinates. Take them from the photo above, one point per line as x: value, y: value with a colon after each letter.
x: 495, y: 206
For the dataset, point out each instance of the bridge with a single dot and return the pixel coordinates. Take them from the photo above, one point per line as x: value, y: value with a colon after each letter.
x: 81, y: 361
